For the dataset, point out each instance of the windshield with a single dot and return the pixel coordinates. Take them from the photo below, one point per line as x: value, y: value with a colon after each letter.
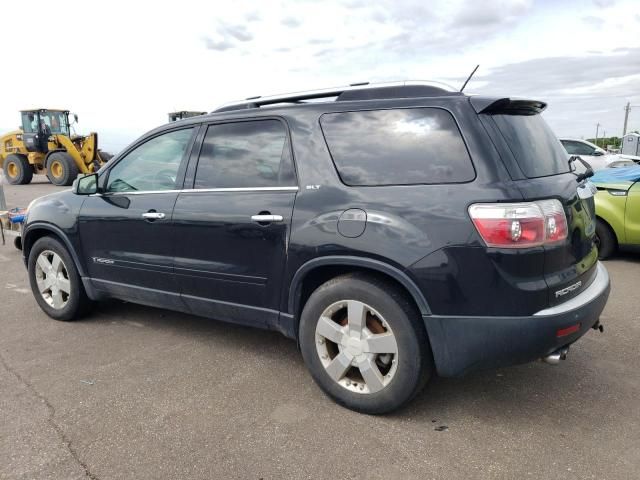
x: 534, y: 146
x: 57, y: 122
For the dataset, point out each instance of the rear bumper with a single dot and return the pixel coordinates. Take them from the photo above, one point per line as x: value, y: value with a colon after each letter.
x: 464, y: 344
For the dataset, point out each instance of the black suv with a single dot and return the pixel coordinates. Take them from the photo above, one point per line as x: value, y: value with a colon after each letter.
x: 394, y: 231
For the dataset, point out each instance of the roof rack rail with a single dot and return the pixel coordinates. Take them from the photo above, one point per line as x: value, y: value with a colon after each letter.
x: 355, y: 91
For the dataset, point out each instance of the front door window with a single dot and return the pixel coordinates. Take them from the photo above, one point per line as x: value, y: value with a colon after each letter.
x: 152, y: 166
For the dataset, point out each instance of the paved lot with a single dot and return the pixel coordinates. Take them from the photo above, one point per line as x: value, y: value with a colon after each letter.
x: 136, y: 392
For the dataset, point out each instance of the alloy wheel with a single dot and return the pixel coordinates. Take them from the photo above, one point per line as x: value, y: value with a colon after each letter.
x: 356, y: 346
x: 52, y: 279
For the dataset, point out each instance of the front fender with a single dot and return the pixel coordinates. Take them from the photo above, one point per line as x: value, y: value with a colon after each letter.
x: 610, y: 208
x: 56, y: 214
x: 40, y: 229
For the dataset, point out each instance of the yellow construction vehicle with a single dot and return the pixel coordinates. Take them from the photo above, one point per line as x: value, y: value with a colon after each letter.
x: 45, y: 144
x: 175, y: 116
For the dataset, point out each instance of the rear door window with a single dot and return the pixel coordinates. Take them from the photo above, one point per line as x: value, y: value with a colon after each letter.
x: 397, y: 147
x: 577, y: 148
x: 533, y: 144
x: 245, y: 155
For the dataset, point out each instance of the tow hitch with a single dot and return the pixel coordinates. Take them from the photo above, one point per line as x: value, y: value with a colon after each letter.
x: 598, y: 326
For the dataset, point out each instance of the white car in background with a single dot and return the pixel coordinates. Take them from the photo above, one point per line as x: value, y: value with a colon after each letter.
x: 595, y: 156
x: 590, y: 153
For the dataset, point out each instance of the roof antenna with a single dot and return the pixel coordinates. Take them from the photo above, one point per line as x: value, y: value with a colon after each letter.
x: 469, y: 78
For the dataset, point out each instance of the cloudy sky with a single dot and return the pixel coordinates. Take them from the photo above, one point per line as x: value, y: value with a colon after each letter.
x: 123, y: 65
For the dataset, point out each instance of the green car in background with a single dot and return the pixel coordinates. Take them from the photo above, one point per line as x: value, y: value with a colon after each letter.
x: 617, y: 209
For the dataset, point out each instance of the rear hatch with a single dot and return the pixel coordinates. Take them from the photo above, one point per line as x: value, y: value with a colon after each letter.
x: 538, y: 164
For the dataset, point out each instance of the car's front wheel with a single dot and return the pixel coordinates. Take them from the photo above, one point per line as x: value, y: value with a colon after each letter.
x: 55, y: 282
x: 364, y: 344
x: 605, y: 240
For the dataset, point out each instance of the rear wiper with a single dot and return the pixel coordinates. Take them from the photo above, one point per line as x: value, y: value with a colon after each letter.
x: 581, y: 176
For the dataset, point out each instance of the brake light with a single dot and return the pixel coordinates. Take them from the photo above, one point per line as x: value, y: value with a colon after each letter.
x: 520, y: 225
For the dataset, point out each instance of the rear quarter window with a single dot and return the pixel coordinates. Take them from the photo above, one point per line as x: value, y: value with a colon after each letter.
x: 397, y: 147
x: 537, y: 150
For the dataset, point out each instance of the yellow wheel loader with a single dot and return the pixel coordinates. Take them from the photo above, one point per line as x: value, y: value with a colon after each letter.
x: 44, y: 144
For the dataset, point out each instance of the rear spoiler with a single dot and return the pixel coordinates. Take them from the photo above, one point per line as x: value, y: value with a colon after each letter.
x: 506, y: 106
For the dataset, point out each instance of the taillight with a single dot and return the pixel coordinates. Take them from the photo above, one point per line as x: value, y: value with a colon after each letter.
x: 555, y: 220
x: 520, y: 225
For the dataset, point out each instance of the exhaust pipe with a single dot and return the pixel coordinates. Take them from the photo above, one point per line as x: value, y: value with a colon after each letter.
x: 555, y: 357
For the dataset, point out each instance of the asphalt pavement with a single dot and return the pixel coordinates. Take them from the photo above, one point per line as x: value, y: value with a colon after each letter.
x: 134, y: 392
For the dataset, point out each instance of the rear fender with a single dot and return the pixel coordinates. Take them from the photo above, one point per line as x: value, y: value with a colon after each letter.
x: 368, y: 263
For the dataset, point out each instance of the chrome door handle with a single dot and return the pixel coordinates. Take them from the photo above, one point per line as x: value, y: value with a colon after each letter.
x: 153, y: 216
x: 266, y: 218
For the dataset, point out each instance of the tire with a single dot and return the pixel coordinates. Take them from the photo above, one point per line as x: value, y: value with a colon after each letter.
x: 42, y: 267
x: 345, y: 369
x: 61, y: 169
x: 17, y: 169
x: 105, y: 156
x: 605, y: 239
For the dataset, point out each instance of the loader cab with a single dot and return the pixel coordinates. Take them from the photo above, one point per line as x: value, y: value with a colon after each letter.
x: 38, y: 125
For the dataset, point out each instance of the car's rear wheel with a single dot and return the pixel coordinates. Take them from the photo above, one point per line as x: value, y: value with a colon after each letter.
x: 55, y: 282
x: 605, y: 240
x: 364, y: 344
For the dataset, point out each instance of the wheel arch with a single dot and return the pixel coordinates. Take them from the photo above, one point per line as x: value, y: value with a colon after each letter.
x: 37, y: 231
x: 319, y: 270
x: 51, y: 152
x: 18, y: 154
x: 76, y: 154
x: 610, y: 227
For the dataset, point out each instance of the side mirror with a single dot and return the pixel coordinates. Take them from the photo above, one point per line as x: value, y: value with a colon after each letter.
x: 597, y: 153
x: 75, y: 117
x: 87, y: 185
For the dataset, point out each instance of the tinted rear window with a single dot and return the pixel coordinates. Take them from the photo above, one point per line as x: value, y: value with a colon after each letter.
x: 397, y: 147
x: 535, y: 147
